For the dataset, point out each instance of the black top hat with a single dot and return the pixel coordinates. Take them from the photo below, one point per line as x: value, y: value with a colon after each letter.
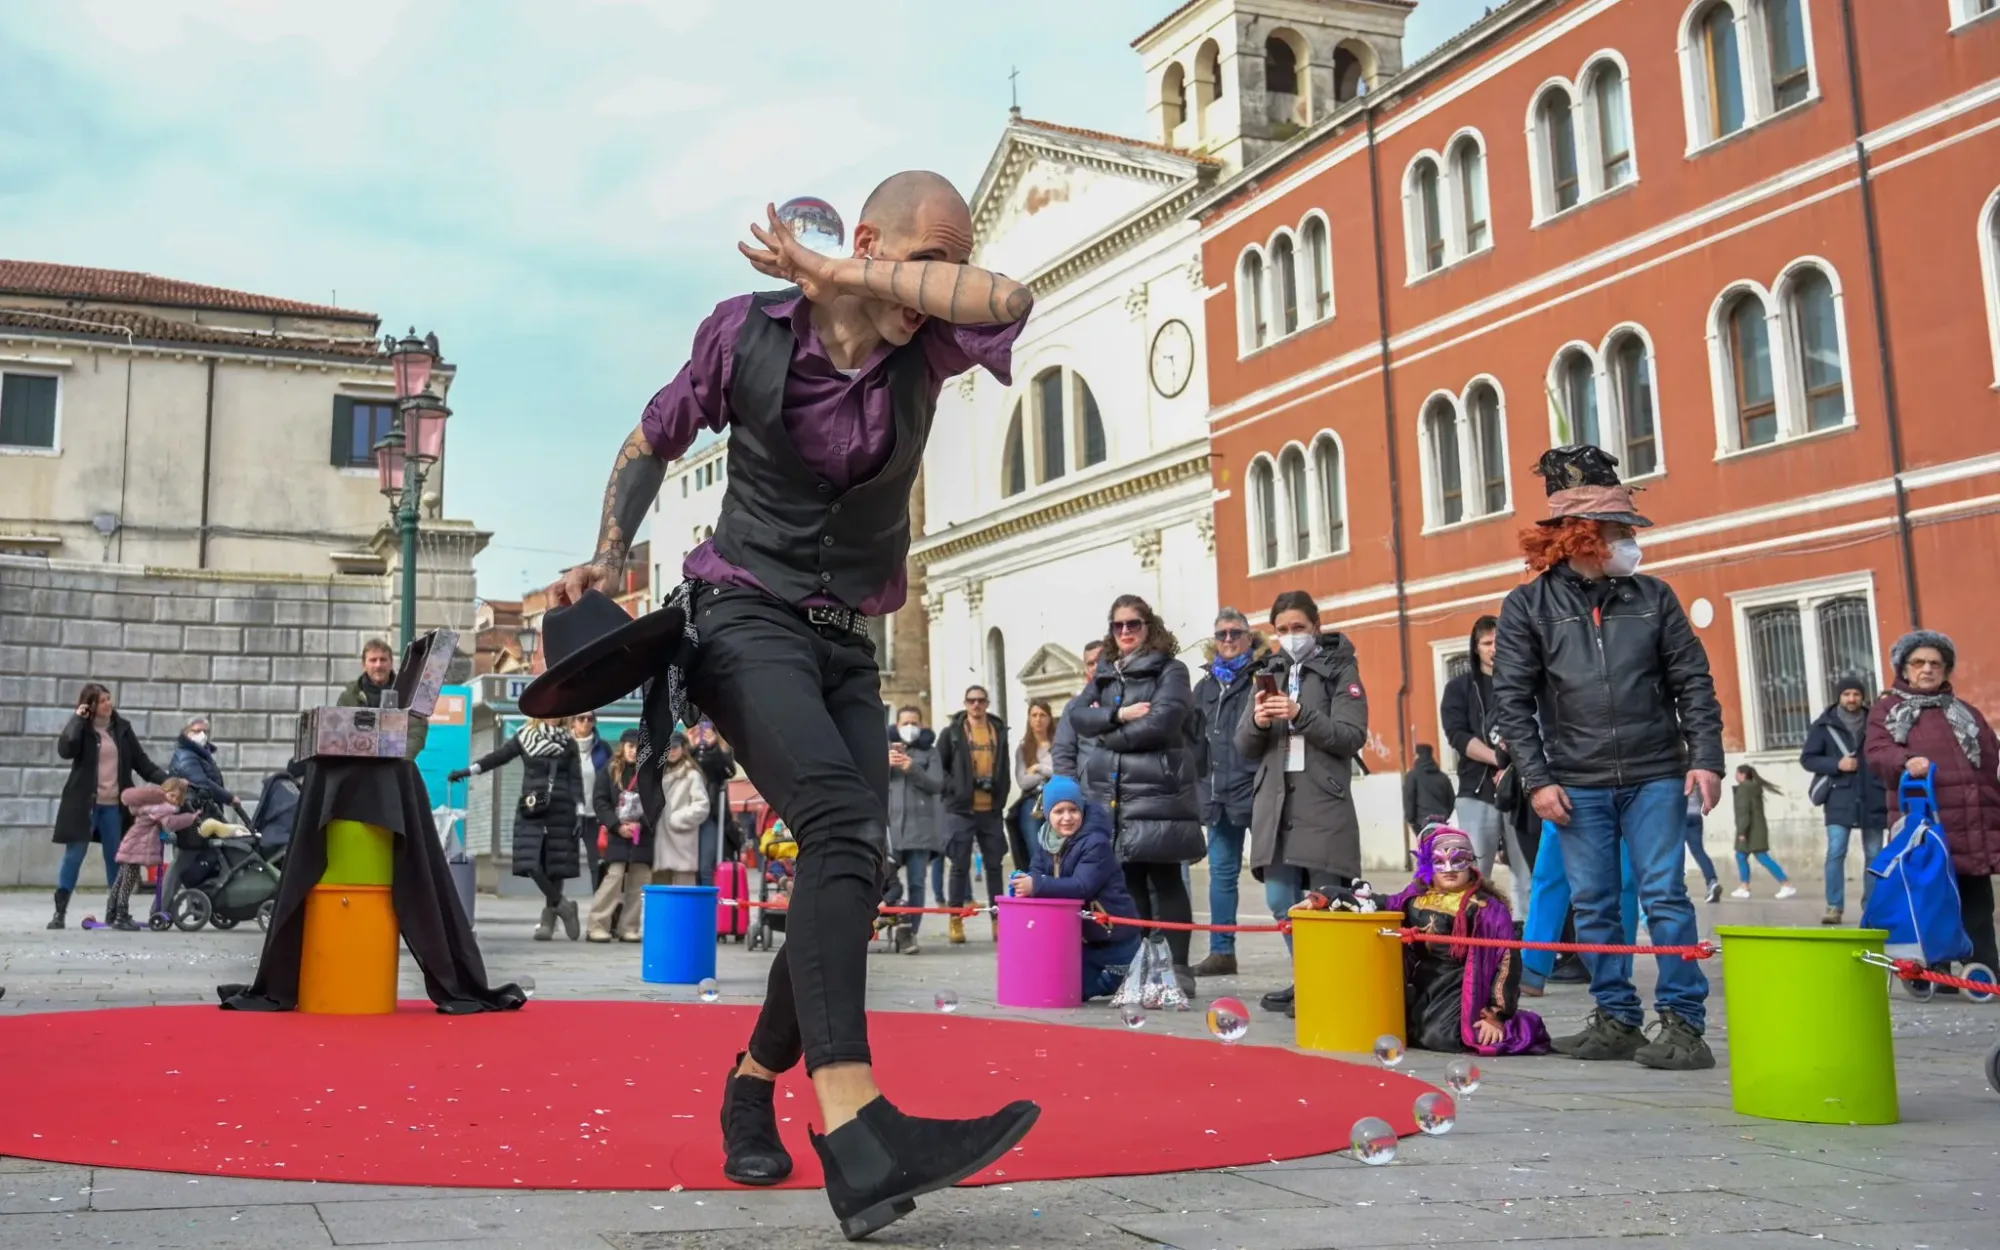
x: 1590, y: 476
x: 598, y: 655
x: 1563, y: 467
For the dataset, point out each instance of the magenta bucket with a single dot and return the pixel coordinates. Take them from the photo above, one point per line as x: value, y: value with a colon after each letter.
x: 1041, y: 952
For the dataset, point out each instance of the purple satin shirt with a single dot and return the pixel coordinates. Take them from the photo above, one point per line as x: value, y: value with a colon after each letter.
x: 841, y: 426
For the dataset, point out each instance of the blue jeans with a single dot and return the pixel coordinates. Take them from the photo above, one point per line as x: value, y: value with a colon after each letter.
x: 1836, y: 864
x: 1692, y: 830
x: 1645, y: 822
x: 107, y: 828
x: 1284, y: 889
x: 709, y: 842
x: 1104, y: 966
x: 1225, y: 866
x: 1762, y: 857
x: 1548, y: 907
x: 914, y: 863
x: 937, y: 876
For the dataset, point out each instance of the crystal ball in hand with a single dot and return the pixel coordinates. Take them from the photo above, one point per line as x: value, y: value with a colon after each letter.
x: 815, y: 224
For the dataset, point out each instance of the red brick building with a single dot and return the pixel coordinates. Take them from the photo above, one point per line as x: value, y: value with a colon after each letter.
x: 1750, y: 246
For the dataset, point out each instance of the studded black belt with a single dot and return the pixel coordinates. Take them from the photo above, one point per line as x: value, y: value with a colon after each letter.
x: 840, y: 620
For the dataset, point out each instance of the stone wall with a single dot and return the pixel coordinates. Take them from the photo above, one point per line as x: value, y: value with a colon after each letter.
x: 248, y: 651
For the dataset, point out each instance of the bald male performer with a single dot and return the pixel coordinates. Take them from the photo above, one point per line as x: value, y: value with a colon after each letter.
x: 828, y: 389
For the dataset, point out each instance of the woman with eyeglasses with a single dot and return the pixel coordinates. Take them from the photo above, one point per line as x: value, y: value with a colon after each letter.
x: 1922, y: 728
x: 1127, y: 746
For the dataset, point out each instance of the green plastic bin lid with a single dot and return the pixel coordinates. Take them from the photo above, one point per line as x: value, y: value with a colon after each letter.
x: 1816, y: 933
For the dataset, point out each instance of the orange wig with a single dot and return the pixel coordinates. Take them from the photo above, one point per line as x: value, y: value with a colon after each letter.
x: 1546, y: 546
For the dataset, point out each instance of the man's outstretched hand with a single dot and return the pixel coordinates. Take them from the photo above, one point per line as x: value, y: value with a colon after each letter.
x: 598, y: 575
x: 783, y: 257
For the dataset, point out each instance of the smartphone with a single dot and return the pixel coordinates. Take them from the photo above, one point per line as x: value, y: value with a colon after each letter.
x: 1267, y: 684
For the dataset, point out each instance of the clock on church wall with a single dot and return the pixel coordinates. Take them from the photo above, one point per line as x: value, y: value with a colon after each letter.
x: 1172, y: 358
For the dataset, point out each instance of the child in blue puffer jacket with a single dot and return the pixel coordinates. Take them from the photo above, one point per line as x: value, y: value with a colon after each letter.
x: 1074, y: 858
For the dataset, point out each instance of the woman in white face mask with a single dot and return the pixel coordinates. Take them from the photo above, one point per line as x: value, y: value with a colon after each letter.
x: 194, y: 759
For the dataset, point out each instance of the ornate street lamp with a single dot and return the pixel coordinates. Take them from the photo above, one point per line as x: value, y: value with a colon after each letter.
x: 528, y: 636
x: 404, y: 456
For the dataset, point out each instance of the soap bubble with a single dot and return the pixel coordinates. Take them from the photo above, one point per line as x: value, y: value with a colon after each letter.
x: 815, y: 224
x: 708, y: 990
x: 1389, y: 1049
x: 1229, y: 1019
x: 527, y: 985
x: 1133, y: 1015
x: 1436, y: 1113
x: 1374, y: 1141
x: 947, y: 1001
x: 1463, y: 1076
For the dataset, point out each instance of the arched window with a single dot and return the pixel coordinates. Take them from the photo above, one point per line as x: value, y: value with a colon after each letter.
x: 1090, y: 431
x: 1281, y: 67
x: 1173, y: 102
x: 1331, y: 500
x: 1426, y: 225
x: 1298, y: 505
x: 1250, y: 307
x: 1263, y: 508
x: 1989, y: 258
x: 1489, y: 443
x: 1447, y: 482
x: 1755, y: 392
x: 1350, y: 74
x: 1784, y: 32
x: 1285, y: 280
x: 1611, y: 119
x: 1468, y: 171
x: 1207, y: 85
x: 1319, y: 268
x: 1815, y: 336
x: 1632, y: 391
x: 1576, y: 386
x: 1719, y: 73
x: 1555, y: 123
x: 996, y: 671
x: 1014, y: 456
x: 1050, y: 424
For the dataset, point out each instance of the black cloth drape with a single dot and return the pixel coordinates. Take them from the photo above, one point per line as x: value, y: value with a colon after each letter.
x: 389, y: 794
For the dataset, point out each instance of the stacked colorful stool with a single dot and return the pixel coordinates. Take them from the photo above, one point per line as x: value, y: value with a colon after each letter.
x: 348, y: 964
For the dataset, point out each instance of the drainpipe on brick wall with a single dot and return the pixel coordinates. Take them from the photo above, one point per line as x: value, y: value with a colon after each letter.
x: 207, y: 464
x: 1395, y: 471
x: 1892, y: 409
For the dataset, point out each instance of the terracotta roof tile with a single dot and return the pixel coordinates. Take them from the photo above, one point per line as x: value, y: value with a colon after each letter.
x: 1106, y: 137
x: 99, y: 323
x: 27, y: 277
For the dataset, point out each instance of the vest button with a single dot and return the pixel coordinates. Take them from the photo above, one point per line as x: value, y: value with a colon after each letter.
x: 827, y: 541
x: 824, y: 489
x: 826, y: 577
x: 834, y: 508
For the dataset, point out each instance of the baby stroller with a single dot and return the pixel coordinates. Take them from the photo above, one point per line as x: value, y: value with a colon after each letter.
x: 1916, y: 894
x: 226, y: 881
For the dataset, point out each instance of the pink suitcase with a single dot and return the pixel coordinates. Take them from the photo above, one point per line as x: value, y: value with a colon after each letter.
x: 732, y: 884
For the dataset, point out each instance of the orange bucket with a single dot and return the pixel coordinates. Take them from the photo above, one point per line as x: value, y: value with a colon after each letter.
x: 348, y: 965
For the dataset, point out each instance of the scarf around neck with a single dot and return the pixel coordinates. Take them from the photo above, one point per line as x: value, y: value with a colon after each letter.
x: 1909, y: 705
x: 545, y: 740
x: 1225, y: 670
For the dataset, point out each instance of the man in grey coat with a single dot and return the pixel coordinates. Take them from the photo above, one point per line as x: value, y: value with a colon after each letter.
x: 1304, y: 831
x: 916, y: 832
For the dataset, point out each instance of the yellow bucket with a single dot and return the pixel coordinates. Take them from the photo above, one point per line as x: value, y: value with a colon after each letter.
x: 358, y: 854
x: 348, y: 964
x: 1348, y: 979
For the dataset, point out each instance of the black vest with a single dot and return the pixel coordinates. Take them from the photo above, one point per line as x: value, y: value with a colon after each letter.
x: 782, y: 522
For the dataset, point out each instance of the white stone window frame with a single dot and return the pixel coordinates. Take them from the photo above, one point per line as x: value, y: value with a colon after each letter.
x: 1260, y: 480
x: 1249, y: 301
x: 1267, y: 472
x: 1787, y: 368
x: 1965, y: 13
x: 1471, y: 479
x: 1989, y: 271
x: 54, y: 449
x: 1541, y: 153
x: 1028, y: 397
x: 1611, y: 424
x: 1806, y: 596
x: 1308, y: 280
x: 1323, y: 544
x: 1443, y: 652
x: 1451, y: 208
x: 1274, y: 290
x: 1754, y: 63
x: 1587, y: 129
x: 1272, y: 294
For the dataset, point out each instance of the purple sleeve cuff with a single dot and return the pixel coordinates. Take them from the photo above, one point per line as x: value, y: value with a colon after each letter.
x: 954, y: 349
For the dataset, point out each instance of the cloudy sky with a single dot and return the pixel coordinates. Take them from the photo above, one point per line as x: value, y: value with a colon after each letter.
x: 555, y: 188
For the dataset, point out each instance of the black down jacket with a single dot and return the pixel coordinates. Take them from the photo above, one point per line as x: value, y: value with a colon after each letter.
x: 1618, y: 677
x: 545, y: 842
x: 1144, y: 771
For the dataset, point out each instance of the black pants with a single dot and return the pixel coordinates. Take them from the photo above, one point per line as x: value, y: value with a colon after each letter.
x: 1975, y: 910
x: 1160, y: 894
x: 961, y: 830
x: 803, y: 709
x: 552, y: 889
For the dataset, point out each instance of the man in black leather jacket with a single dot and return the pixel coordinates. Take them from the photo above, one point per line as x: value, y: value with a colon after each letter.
x: 1604, y: 698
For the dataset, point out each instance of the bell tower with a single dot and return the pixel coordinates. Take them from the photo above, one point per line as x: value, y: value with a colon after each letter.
x: 1236, y: 78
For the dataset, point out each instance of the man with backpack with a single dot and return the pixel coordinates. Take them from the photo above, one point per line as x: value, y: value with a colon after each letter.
x: 1852, y: 797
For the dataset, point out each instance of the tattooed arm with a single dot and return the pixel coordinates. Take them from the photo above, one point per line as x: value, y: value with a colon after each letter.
x: 964, y: 295
x: 635, y: 480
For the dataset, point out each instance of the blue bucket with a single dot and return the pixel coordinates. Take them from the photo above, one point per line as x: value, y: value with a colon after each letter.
x: 678, y: 945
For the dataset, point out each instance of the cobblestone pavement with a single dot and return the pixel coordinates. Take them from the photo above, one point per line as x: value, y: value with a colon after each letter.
x: 1548, y: 1152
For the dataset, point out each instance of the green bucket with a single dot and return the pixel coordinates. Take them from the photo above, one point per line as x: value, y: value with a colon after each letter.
x: 358, y: 854
x: 1809, y: 1025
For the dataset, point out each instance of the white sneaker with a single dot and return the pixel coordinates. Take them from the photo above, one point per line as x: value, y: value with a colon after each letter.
x: 1741, y: 891
x: 1785, y: 891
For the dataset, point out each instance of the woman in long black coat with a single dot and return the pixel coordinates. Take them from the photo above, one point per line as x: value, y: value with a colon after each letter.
x: 90, y: 810
x: 1125, y: 741
x: 545, y: 816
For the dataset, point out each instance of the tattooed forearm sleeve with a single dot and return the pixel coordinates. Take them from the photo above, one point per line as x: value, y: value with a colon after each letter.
x: 635, y: 481
x: 964, y: 295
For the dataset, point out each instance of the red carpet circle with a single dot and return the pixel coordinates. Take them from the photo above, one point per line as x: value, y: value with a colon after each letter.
x: 625, y: 1095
